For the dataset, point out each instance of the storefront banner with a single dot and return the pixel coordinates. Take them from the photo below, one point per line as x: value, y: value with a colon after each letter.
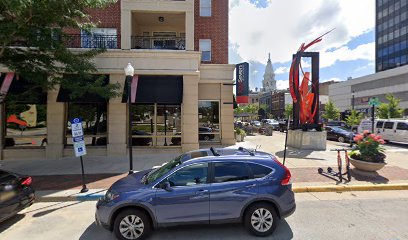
x: 135, y: 81
x: 5, y: 86
x: 242, y: 84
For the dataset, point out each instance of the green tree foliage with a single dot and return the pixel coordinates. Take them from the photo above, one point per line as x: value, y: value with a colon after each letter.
x: 289, y: 111
x: 354, y: 118
x: 390, y: 109
x: 37, y: 27
x: 330, y: 111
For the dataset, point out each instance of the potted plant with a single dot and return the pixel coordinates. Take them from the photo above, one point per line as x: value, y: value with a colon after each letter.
x: 239, y: 134
x: 368, y: 155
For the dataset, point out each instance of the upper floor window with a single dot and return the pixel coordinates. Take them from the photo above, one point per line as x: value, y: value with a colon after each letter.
x: 205, y: 48
x: 205, y: 8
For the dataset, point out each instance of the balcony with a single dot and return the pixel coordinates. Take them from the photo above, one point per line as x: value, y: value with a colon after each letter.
x: 158, y: 42
x: 91, y: 41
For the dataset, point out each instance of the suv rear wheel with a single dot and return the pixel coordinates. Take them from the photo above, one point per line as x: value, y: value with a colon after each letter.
x: 132, y: 224
x: 261, y: 219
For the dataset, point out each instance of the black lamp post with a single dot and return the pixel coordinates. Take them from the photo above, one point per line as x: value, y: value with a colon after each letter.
x: 129, y: 72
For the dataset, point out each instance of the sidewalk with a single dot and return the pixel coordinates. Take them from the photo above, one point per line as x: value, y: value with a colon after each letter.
x: 55, y: 180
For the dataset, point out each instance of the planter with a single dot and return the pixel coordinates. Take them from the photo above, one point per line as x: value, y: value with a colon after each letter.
x: 366, y: 166
x: 239, y: 137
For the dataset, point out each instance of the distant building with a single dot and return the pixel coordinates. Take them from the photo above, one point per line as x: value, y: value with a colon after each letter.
x: 391, y: 34
x: 269, y: 82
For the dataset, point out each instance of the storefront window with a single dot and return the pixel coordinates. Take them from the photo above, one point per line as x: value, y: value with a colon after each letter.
x: 94, y: 122
x: 26, y: 125
x: 25, y: 113
x: 156, y: 125
x: 209, y: 121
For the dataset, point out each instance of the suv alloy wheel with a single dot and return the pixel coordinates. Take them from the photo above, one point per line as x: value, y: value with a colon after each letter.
x: 261, y: 219
x: 131, y: 224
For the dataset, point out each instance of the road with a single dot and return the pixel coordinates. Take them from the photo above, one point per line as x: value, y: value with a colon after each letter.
x: 349, y: 215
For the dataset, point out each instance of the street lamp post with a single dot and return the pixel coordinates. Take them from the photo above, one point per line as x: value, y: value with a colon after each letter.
x: 129, y: 72
x: 165, y: 127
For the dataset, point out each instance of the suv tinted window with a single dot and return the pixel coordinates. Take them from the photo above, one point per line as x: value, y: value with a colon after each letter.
x: 379, y: 124
x: 402, y: 126
x: 190, y: 175
x: 388, y: 125
x: 259, y: 171
x: 227, y: 172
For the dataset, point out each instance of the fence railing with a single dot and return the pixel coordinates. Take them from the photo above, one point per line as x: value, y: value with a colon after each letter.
x: 147, y: 42
x: 91, y: 41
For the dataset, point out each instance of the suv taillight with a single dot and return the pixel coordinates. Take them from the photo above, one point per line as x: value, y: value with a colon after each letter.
x: 286, y: 178
x: 27, y: 181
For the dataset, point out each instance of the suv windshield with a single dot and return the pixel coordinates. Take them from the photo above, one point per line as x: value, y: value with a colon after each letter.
x: 159, y: 172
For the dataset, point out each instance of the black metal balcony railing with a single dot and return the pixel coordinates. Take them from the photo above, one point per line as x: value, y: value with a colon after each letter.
x: 146, y: 42
x: 91, y: 41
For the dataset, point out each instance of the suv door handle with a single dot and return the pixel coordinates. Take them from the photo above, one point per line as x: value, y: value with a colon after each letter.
x: 201, y: 191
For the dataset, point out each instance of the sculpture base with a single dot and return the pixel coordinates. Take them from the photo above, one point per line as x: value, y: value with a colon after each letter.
x: 312, y: 140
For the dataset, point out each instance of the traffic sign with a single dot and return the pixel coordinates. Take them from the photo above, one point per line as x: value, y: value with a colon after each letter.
x: 374, y: 101
x: 78, y: 137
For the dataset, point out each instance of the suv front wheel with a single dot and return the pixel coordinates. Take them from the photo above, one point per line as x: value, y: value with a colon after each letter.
x: 261, y: 219
x: 132, y: 224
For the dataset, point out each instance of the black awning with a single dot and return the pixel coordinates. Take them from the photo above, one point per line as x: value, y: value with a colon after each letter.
x: 64, y: 94
x: 158, y: 89
x: 24, y: 91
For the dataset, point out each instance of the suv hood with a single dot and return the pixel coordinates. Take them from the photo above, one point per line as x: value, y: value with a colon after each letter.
x: 129, y: 183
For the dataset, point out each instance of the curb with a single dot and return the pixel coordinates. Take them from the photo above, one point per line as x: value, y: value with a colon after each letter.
x: 349, y: 188
x: 80, y: 198
x: 342, y: 188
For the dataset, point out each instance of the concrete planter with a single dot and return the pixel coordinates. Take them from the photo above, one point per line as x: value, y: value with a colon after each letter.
x: 366, y: 166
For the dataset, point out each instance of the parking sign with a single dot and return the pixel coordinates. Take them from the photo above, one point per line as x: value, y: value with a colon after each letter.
x: 78, y: 137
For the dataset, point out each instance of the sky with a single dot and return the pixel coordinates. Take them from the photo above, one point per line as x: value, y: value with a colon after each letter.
x: 279, y: 27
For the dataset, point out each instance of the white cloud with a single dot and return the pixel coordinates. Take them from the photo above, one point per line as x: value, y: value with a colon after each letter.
x: 281, y: 27
x: 281, y: 70
x: 282, y: 84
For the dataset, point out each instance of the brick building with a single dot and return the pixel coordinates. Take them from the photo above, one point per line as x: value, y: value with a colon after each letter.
x: 179, y: 50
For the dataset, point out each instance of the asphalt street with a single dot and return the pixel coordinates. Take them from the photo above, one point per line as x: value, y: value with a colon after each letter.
x: 350, y: 215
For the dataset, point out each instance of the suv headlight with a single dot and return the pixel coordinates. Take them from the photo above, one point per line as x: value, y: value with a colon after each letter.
x: 110, y: 195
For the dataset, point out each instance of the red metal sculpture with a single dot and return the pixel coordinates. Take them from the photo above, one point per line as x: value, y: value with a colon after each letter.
x: 305, y: 101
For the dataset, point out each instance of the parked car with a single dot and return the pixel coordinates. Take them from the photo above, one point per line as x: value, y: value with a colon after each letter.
x: 256, y: 123
x: 340, y: 134
x: 16, y: 193
x: 271, y: 123
x: 336, y: 124
x: 206, y: 187
x: 205, y: 134
x: 391, y: 130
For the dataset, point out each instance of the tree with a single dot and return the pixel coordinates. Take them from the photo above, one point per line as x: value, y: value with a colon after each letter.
x: 38, y: 28
x: 330, y: 111
x: 390, y: 109
x: 289, y: 111
x: 354, y: 118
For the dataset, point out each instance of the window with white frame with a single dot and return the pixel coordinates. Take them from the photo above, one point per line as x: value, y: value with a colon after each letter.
x: 205, y: 8
x: 205, y: 48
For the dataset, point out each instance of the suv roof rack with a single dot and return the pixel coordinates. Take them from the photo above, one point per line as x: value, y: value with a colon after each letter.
x: 214, y: 152
x: 246, y: 150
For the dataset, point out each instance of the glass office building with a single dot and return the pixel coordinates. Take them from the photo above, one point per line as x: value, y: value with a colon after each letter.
x: 391, y: 34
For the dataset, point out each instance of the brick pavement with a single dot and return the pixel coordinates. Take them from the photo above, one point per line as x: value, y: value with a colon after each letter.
x: 300, y: 175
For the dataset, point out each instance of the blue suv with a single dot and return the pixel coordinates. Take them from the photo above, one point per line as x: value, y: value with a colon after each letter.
x: 207, y: 186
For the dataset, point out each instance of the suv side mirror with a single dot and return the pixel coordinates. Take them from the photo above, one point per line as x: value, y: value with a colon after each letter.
x: 166, y: 186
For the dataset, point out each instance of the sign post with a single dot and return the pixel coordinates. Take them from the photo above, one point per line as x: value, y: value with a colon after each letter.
x: 79, y: 146
x: 373, y: 102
